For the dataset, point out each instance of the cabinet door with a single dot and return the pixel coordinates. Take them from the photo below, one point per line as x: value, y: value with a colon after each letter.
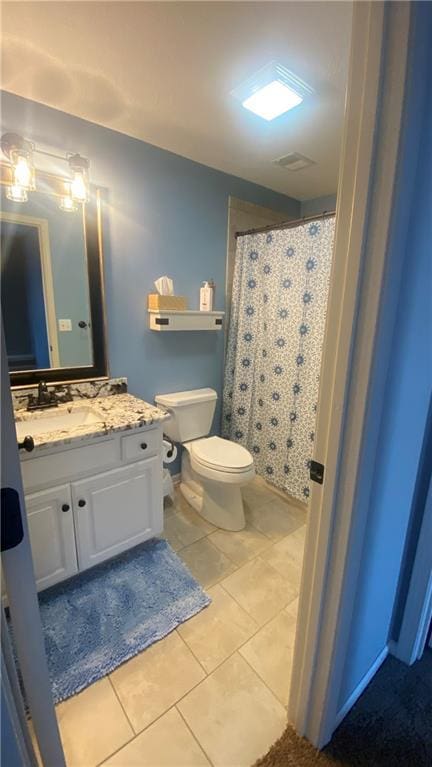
x: 116, y: 510
x: 52, y: 537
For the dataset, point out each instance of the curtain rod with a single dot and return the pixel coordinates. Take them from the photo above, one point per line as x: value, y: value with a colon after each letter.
x: 286, y: 224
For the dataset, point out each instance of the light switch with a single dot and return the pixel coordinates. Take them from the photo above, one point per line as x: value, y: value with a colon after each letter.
x: 65, y: 324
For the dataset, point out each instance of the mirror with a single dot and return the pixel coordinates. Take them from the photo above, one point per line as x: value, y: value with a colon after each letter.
x: 51, y: 289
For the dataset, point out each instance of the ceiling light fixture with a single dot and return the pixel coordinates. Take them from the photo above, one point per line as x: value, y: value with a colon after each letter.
x: 22, y: 176
x: 272, y: 91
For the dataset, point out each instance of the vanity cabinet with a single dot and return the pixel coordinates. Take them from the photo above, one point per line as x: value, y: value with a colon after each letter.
x: 116, y: 510
x: 51, y: 530
x: 87, y: 504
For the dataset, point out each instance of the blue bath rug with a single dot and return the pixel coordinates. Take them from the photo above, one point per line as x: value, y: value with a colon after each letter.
x: 110, y: 613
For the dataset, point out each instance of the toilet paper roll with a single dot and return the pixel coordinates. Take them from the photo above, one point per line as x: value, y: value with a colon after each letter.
x: 169, y: 451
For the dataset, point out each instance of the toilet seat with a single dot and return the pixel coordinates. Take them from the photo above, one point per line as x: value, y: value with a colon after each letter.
x: 221, y: 455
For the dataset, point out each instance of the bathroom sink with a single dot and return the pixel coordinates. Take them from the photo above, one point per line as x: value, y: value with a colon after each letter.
x: 60, y: 421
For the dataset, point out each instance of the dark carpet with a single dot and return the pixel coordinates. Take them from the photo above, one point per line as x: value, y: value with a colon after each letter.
x: 389, y: 726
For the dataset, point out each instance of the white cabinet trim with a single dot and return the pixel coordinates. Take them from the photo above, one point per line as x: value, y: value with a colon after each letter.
x: 52, y: 535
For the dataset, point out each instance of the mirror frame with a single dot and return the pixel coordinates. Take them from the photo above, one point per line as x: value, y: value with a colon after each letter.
x: 92, y: 220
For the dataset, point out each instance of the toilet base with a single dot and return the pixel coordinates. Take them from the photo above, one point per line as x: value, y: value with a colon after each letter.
x: 221, y: 506
x: 219, y: 503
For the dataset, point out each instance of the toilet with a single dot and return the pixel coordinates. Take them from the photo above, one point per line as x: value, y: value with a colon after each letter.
x: 213, y: 469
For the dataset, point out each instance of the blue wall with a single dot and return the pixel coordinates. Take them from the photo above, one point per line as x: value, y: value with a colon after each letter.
x: 318, y: 205
x: 404, y: 418
x: 164, y: 214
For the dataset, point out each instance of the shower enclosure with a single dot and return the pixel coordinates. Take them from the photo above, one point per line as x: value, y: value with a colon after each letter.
x: 279, y: 299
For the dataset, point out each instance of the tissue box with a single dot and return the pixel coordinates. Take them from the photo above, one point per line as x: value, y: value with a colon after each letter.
x: 167, y: 303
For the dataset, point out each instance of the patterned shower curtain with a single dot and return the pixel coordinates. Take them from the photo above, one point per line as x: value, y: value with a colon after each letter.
x: 279, y: 299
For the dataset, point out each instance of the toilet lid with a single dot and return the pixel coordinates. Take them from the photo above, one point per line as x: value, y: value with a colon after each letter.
x: 221, y: 454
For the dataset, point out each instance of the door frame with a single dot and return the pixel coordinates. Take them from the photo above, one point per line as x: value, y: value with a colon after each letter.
x: 19, y: 580
x: 13, y: 701
x: 361, y: 312
x: 417, y: 614
x: 41, y: 224
x: 335, y: 530
x: 418, y: 611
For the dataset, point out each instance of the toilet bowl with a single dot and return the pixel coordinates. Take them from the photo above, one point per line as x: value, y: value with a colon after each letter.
x: 213, y: 469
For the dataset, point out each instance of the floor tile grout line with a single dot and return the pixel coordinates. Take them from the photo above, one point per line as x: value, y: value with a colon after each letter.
x: 211, y: 583
x: 264, y: 561
x: 175, y: 702
x: 194, y: 736
x: 136, y: 735
x: 262, y: 678
x: 139, y: 732
x: 237, y: 567
x: 274, y: 568
x: 173, y: 705
x: 250, y: 637
x: 190, y: 648
x: 176, y: 511
x: 236, y: 652
x: 224, y: 577
x: 268, y: 545
x: 219, y: 582
x: 113, y: 753
x: 235, y: 564
x: 119, y: 700
x: 263, y: 681
x: 207, y: 675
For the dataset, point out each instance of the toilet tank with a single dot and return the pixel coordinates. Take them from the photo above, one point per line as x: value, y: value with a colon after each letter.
x: 191, y: 413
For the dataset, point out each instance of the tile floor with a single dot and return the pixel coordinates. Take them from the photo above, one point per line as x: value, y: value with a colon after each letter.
x: 213, y: 692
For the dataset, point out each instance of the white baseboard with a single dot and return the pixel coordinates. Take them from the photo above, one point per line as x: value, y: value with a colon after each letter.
x: 361, y: 686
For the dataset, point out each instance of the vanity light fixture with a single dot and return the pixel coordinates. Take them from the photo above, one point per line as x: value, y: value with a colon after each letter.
x: 272, y: 91
x: 79, y: 186
x: 19, y: 151
x: 16, y: 193
x: 68, y: 204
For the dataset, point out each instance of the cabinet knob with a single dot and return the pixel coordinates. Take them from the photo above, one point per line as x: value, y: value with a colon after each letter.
x: 65, y: 507
x: 143, y: 445
x: 81, y: 502
x: 27, y: 443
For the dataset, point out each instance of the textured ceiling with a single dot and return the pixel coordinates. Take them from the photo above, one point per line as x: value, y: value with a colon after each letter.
x: 163, y: 72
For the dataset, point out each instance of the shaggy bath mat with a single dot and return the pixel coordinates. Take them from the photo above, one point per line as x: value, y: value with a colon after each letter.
x: 100, y: 618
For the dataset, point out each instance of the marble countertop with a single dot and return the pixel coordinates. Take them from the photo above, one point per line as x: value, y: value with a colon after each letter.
x: 116, y: 413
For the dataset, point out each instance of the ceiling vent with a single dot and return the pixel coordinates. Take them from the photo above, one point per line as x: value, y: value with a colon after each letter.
x: 294, y: 161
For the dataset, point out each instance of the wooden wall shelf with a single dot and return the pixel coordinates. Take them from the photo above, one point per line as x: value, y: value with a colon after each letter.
x: 185, y: 320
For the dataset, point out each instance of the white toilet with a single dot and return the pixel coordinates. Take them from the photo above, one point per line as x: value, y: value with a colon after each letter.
x: 213, y: 469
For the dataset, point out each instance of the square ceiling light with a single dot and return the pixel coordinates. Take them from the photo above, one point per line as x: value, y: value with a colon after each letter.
x: 272, y: 91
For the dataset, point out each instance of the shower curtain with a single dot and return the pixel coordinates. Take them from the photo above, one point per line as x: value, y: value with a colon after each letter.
x: 279, y: 298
